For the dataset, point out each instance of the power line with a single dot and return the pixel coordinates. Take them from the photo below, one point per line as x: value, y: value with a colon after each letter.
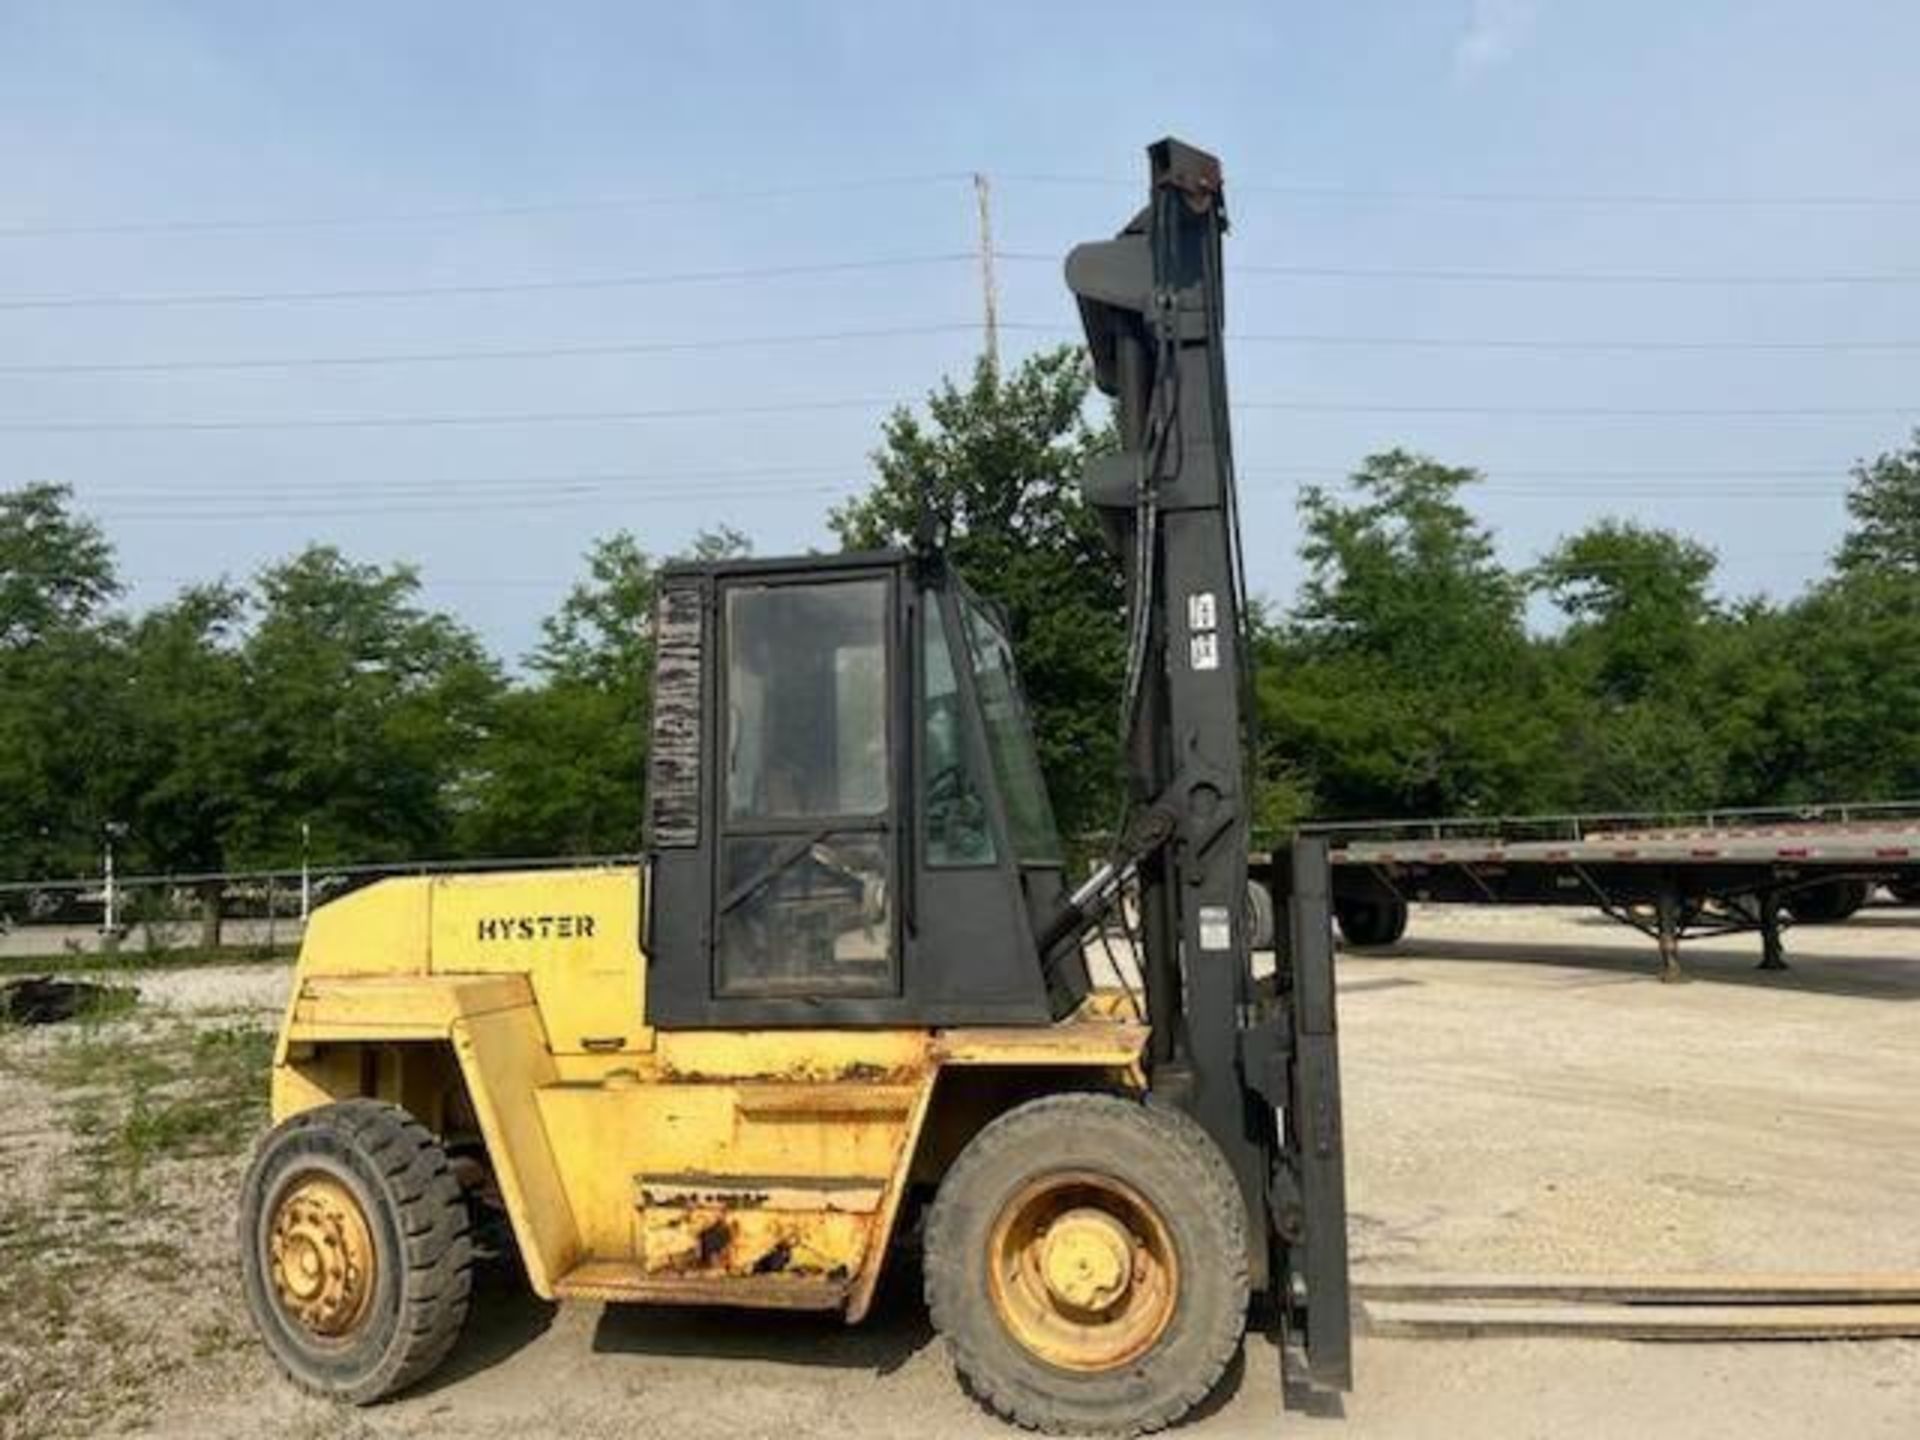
x: 613, y: 203
x: 1535, y: 277
x: 31, y: 229
x: 1521, y: 342
x: 1625, y: 199
x: 474, y: 582
x: 698, y: 412
x: 415, y: 422
x: 480, y: 496
x: 428, y: 580
x: 432, y: 485
x: 483, y: 354
x: 548, y: 285
x: 191, y: 513
x: 1586, y: 412
x: 780, y: 479
x: 552, y: 481
x: 501, y: 287
x: 197, y: 514
x: 451, y: 356
x: 1597, y: 346
x: 1579, y: 277
x: 1743, y: 472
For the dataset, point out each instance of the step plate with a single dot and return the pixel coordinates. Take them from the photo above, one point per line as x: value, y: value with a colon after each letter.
x: 618, y: 1282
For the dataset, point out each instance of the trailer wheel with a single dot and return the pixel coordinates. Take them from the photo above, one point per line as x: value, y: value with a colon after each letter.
x: 1907, y: 892
x: 1086, y: 1260
x: 1827, y: 903
x: 1366, y: 922
x: 355, y: 1253
x: 1260, y: 916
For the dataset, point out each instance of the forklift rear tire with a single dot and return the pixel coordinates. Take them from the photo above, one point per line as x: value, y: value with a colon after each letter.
x: 1086, y: 1260
x: 1368, y: 923
x: 355, y: 1252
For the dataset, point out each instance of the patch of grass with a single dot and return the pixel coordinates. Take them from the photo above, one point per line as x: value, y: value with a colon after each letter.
x: 201, y: 1099
x: 142, y: 1094
x: 144, y: 1098
x: 233, y: 1054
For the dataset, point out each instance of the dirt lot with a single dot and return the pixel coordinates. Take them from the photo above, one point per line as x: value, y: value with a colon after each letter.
x: 1521, y: 1096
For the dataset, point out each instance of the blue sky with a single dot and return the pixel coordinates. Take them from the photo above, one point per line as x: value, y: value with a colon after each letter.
x: 1469, y: 135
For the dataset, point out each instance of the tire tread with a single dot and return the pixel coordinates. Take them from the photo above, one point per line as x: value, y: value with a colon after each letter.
x: 436, y: 1281
x: 948, y: 1289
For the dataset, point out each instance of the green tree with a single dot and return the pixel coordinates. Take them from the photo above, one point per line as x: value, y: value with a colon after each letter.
x: 1849, y: 653
x: 1637, y: 599
x: 56, y: 570
x: 1820, y: 707
x: 1631, y: 663
x: 995, y: 467
x: 1884, y: 508
x: 1757, y: 699
x: 365, y: 713
x: 1405, y: 682
x: 184, y: 757
x: 63, y: 697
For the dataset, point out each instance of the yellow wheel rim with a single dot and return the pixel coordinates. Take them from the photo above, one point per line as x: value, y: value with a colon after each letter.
x: 1082, y: 1271
x: 323, y: 1260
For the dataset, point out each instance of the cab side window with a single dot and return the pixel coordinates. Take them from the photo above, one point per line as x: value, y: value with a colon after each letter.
x: 956, y: 814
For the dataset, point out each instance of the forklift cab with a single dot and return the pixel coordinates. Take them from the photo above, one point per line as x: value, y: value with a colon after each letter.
x: 847, y: 824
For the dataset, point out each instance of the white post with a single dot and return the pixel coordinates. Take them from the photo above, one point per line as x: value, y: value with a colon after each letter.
x: 306, y: 875
x: 108, y: 926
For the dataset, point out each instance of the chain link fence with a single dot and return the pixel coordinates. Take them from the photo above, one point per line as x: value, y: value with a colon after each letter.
x: 246, y: 911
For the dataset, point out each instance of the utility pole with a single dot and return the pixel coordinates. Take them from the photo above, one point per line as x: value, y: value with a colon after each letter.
x: 989, y: 287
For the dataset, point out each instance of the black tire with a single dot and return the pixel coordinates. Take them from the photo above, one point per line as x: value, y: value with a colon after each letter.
x: 1827, y: 903
x: 1167, y: 1161
x: 1907, y: 892
x: 418, y: 1225
x: 1366, y: 922
x: 1260, y: 916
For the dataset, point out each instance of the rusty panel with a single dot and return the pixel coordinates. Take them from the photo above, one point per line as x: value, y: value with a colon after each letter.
x: 615, y: 1281
x: 1086, y: 1042
x: 874, y: 1057
x: 719, y: 1240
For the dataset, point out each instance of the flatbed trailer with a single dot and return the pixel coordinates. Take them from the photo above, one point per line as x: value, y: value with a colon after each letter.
x: 1670, y: 882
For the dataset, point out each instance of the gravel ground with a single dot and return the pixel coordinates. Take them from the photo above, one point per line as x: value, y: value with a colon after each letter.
x: 1521, y: 1095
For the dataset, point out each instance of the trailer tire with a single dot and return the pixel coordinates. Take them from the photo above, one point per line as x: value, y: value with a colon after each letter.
x: 1142, y: 1202
x: 1366, y: 922
x: 1907, y: 892
x: 1827, y: 903
x: 355, y: 1250
x: 1260, y: 926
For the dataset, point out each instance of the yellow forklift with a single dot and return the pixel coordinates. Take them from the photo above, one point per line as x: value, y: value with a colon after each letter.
x: 846, y: 996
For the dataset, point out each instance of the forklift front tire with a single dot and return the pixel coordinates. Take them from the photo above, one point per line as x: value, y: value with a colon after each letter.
x: 355, y: 1252
x: 1086, y: 1260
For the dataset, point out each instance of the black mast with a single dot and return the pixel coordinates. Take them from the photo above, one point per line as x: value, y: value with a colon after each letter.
x: 1152, y: 305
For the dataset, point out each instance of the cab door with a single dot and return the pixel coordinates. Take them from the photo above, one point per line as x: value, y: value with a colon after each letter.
x: 805, y: 890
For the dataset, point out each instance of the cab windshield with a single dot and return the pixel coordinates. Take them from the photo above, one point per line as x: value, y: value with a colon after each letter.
x: 1036, y: 840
